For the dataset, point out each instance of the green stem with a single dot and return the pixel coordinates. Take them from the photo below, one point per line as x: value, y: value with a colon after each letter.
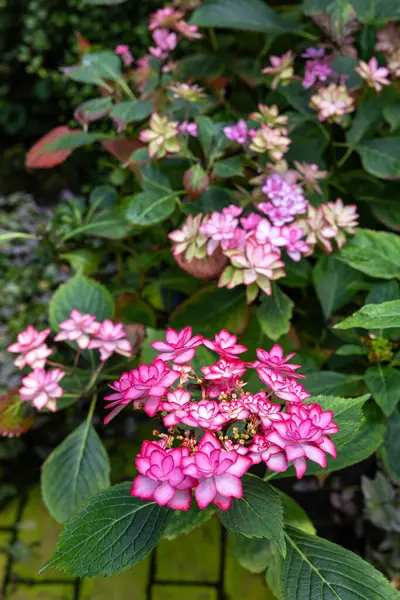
x: 214, y: 41
x: 91, y: 408
x: 93, y: 378
x: 270, y: 476
x: 347, y: 155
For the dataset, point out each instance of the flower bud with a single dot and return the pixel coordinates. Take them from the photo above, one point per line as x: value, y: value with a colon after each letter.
x: 195, y: 181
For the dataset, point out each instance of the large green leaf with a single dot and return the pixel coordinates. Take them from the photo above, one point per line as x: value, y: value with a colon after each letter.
x: 110, y: 534
x: 131, y: 111
x: 258, y: 514
x: 74, y: 472
x: 230, y: 167
x: 97, y: 68
x: 374, y: 316
x: 368, y: 117
x: 315, y: 569
x: 381, y: 156
x: 84, y: 294
x: 390, y: 450
x: 391, y: 112
x: 183, y: 522
x: 294, y: 515
x: 368, y: 439
x: 149, y: 208
x: 251, y: 15
x: 275, y: 313
x: 333, y: 383
x: 253, y: 554
x: 92, y: 110
x: 109, y: 223
x: 376, y: 11
x: 334, y: 282
x: 6, y: 236
x: 213, y: 309
x: 375, y: 253
x: 384, y: 384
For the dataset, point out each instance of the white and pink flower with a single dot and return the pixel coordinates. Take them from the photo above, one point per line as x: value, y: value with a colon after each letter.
x: 218, y: 472
x: 179, y: 346
x: 31, y: 348
x: 109, y: 338
x: 79, y: 328
x: 41, y: 388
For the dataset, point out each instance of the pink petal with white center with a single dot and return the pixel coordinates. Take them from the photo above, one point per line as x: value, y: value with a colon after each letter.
x: 205, y: 492
x: 315, y: 454
x: 185, y: 356
x: 295, y: 451
x: 143, y: 487
x: 228, y: 485
x: 241, y: 466
x: 300, y: 467
x: 277, y: 463
x: 223, y: 502
x: 328, y: 446
x: 164, y: 493
x: 181, y: 500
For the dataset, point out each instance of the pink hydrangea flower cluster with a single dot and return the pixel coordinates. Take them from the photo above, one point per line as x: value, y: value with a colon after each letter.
x: 166, y: 24
x: 215, y: 430
x: 255, y: 246
x: 316, y: 68
x: 41, y: 387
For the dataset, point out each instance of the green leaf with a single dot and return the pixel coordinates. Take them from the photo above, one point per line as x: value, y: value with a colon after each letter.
x: 391, y: 112
x: 390, y: 450
x: 368, y: 116
x: 331, y: 382
x: 334, y: 283
x: 351, y: 350
x: 131, y: 111
x: 74, y: 472
x: 250, y: 15
x: 102, y: 196
x: 92, y: 110
x: 344, y: 65
x: 381, y: 156
x: 73, y: 140
x: 376, y: 11
x: 387, y: 213
x: 298, y: 274
x: 309, y: 142
x: 183, y: 522
x: 6, y: 236
x: 253, y: 554
x: 298, y: 97
x: 212, y: 309
x: 84, y: 294
x: 110, y: 534
x: 205, y: 133
x: 258, y: 514
x: 275, y: 313
x: 97, y: 68
x: 215, y: 198
x: 230, y: 167
x: 109, y: 223
x: 384, y: 385
x: 294, y: 515
x: 374, y: 316
x: 82, y: 260
x: 148, y: 353
x: 375, y: 253
x: 316, y: 569
x: 202, y: 65
x: 383, y: 292
x: 149, y: 208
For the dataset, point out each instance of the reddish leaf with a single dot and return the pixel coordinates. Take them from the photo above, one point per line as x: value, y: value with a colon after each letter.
x: 83, y: 44
x: 15, y: 416
x: 40, y: 158
x: 123, y: 150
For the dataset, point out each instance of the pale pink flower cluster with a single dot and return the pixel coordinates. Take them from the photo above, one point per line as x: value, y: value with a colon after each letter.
x: 40, y: 387
x: 215, y: 431
x: 254, y: 244
x: 125, y: 53
x: 388, y: 41
x: 316, y: 68
x: 374, y: 75
x: 107, y: 337
x: 333, y: 103
x: 271, y: 136
x: 166, y: 24
x: 282, y: 69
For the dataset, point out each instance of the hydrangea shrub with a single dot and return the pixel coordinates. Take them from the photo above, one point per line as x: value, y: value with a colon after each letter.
x: 252, y: 215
